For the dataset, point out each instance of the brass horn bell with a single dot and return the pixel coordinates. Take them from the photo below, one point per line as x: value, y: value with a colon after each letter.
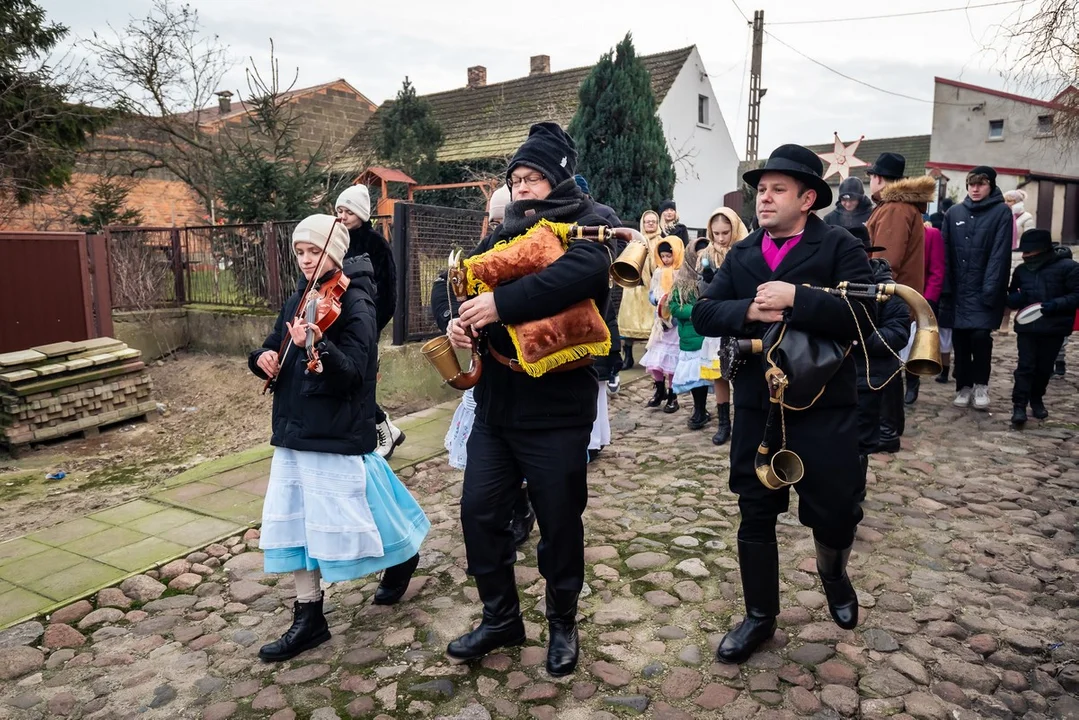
x: 626, y: 270
x: 784, y: 468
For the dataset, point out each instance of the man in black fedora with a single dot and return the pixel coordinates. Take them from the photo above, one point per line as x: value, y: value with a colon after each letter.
x: 760, y: 283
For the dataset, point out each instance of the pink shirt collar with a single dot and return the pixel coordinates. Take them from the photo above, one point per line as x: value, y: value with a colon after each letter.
x: 773, y: 255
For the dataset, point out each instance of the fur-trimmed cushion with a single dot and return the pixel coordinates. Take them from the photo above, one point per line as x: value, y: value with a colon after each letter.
x: 542, y: 345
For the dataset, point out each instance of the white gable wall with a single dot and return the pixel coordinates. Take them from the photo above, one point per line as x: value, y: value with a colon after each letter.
x: 706, y: 163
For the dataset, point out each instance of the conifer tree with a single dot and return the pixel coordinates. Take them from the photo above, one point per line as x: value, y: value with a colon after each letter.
x: 408, y: 137
x: 622, y: 151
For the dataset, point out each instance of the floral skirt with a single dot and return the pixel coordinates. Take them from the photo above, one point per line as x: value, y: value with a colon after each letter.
x: 662, y: 355
x: 460, y: 428
x: 346, y: 515
x: 687, y: 373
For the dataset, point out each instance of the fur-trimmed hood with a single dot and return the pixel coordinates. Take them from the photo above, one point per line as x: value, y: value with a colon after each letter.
x: 914, y: 190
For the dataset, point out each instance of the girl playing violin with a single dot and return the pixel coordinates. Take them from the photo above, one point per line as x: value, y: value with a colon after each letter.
x: 334, y: 509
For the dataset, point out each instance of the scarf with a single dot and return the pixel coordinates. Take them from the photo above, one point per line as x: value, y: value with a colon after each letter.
x: 565, y: 204
x: 1037, y: 262
x: 774, y: 254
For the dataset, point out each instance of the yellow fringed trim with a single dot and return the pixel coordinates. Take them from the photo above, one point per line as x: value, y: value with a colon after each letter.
x: 561, y: 357
x: 477, y: 286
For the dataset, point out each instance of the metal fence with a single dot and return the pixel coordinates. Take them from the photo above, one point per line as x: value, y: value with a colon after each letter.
x: 248, y: 265
x: 423, y: 236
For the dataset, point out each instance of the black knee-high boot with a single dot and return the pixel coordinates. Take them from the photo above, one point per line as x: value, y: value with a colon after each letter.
x: 700, y: 416
x: 914, y: 383
x: 395, y: 581
x: 502, y: 625
x: 842, y: 600
x: 627, y: 354
x: 758, y: 564
x: 308, y: 630
x: 723, y: 432
x: 563, y: 646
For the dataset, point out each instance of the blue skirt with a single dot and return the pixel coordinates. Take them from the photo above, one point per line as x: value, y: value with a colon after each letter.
x: 345, y: 515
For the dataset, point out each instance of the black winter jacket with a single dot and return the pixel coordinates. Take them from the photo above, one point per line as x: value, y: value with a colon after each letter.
x: 893, y: 325
x: 825, y: 256
x: 1056, y: 282
x: 505, y: 398
x: 841, y: 217
x: 977, y: 255
x: 331, y: 412
x: 366, y: 240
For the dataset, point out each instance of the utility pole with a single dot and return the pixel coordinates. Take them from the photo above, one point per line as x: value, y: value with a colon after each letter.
x: 755, y: 92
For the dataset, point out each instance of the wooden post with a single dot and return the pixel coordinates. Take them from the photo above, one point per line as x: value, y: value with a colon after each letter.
x: 178, y: 267
x: 100, y: 277
x: 273, y: 264
x: 399, y: 247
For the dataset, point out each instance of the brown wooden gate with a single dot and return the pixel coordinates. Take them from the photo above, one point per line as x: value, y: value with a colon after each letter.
x: 48, y: 292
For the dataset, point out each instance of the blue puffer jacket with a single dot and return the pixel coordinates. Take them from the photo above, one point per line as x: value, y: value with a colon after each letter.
x: 978, y: 252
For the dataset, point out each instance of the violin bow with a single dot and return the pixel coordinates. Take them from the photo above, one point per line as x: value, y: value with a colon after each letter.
x: 287, y: 343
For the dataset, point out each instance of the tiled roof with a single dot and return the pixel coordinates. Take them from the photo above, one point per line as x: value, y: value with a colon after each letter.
x: 213, y: 115
x: 492, y: 121
x: 915, y: 148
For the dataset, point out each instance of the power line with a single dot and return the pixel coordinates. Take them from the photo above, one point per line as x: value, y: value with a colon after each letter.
x: 856, y: 80
x: 745, y: 17
x: 896, y: 15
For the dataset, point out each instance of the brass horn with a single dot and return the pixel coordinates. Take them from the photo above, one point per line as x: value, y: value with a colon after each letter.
x: 627, y: 269
x: 784, y: 467
x: 438, y: 351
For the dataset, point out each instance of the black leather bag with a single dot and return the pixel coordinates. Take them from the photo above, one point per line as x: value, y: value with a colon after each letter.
x: 808, y: 361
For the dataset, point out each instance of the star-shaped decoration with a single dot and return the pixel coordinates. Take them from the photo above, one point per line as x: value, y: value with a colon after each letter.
x: 842, y: 160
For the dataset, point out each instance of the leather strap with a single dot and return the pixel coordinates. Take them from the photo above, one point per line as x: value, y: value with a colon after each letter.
x: 516, y: 367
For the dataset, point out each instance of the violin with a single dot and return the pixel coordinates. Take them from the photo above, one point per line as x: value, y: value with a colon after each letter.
x: 319, y: 307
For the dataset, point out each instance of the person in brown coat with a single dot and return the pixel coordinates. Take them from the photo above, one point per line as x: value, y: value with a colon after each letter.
x: 896, y: 225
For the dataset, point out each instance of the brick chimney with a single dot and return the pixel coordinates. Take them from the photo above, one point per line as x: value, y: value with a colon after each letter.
x: 477, y: 76
x: 540, y: 65
x: 224, y: 101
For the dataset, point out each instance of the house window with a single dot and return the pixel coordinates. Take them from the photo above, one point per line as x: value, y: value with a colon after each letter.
x: 702, y: 109
x: 1045, y: 125
x: 996, y: 129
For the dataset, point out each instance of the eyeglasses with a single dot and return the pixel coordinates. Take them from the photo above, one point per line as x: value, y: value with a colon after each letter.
x: 529, y: 180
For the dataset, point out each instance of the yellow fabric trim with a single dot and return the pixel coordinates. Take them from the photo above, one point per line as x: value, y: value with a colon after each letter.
x: 477, y: 286
x: 561, y: 357
x: 710, y: 373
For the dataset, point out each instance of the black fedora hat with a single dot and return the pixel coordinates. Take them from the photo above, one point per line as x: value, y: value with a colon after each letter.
x: 861, y: 232
x: 799, y: 163
x: 1035, y: 240
x: 889, y: 165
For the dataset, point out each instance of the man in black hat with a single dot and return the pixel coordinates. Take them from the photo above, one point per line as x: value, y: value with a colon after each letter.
x: 1051, y: 278
x: 978, y: 235
x: 896, y: 225
x: 760, y: 283
x: 533, y: 427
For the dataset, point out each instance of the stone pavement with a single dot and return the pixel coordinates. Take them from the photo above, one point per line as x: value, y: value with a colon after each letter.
x: 965, y: 565
x: 211, y: 501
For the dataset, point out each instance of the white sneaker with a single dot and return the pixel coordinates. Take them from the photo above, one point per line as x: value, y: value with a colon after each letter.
x: 962, y: 398
x: 614, y: 385
x: 389, y: 437
x: 981, y: 397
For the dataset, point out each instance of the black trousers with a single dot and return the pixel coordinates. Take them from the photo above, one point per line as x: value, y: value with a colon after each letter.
x: 1037, y: 354
x: 556, y: 465
x: 892, y: 411
x: 869, y: 420
x: 972, y: 357
x: 827, y: 442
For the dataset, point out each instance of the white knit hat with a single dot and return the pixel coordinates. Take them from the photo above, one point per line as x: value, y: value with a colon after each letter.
x: 314, y: 229
x: 496, y: 207
x: 357, y: 199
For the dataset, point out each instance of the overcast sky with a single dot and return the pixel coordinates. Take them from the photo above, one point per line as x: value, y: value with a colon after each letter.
x: 374, y: 45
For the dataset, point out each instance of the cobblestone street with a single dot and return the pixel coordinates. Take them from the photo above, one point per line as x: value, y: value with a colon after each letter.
x: 966, y: 568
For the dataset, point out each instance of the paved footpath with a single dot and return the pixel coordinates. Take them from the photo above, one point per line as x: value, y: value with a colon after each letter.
x: 965, y: 565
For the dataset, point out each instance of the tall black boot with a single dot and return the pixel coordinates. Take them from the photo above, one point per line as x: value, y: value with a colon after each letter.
x: 842, y: 600
x: 395, y: 581
x: 700, y: 416
x: 523, y: 518
x: 502, y: 625
x: 723, y: 432
x: 562, y: 641
x: 627, y: 354
x: 914, y: 383
x: 943, y: 377
x: 1037, y: 409
x: 891, y: 416
x: 758, y: 564
x: 309, y: 629
x: 660, y: 394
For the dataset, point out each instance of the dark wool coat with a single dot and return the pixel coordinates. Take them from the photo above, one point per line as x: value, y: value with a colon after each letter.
x: 826, y: 435
x: 334, y: 411
x: 893, y: 324
x: 977, y: 255
x: 510, y: 399
x: 365, y: 240
x: 1056, y: 281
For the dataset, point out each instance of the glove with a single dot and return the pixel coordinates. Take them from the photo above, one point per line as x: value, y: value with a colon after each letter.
x: 1049, y: 307
x: 707, y: 274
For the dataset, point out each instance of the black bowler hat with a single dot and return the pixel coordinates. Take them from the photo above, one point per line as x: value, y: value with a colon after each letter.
x: 799, y: 163
x: 889, y: 165
x: 861, y: 232
x: 1035, y: 240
